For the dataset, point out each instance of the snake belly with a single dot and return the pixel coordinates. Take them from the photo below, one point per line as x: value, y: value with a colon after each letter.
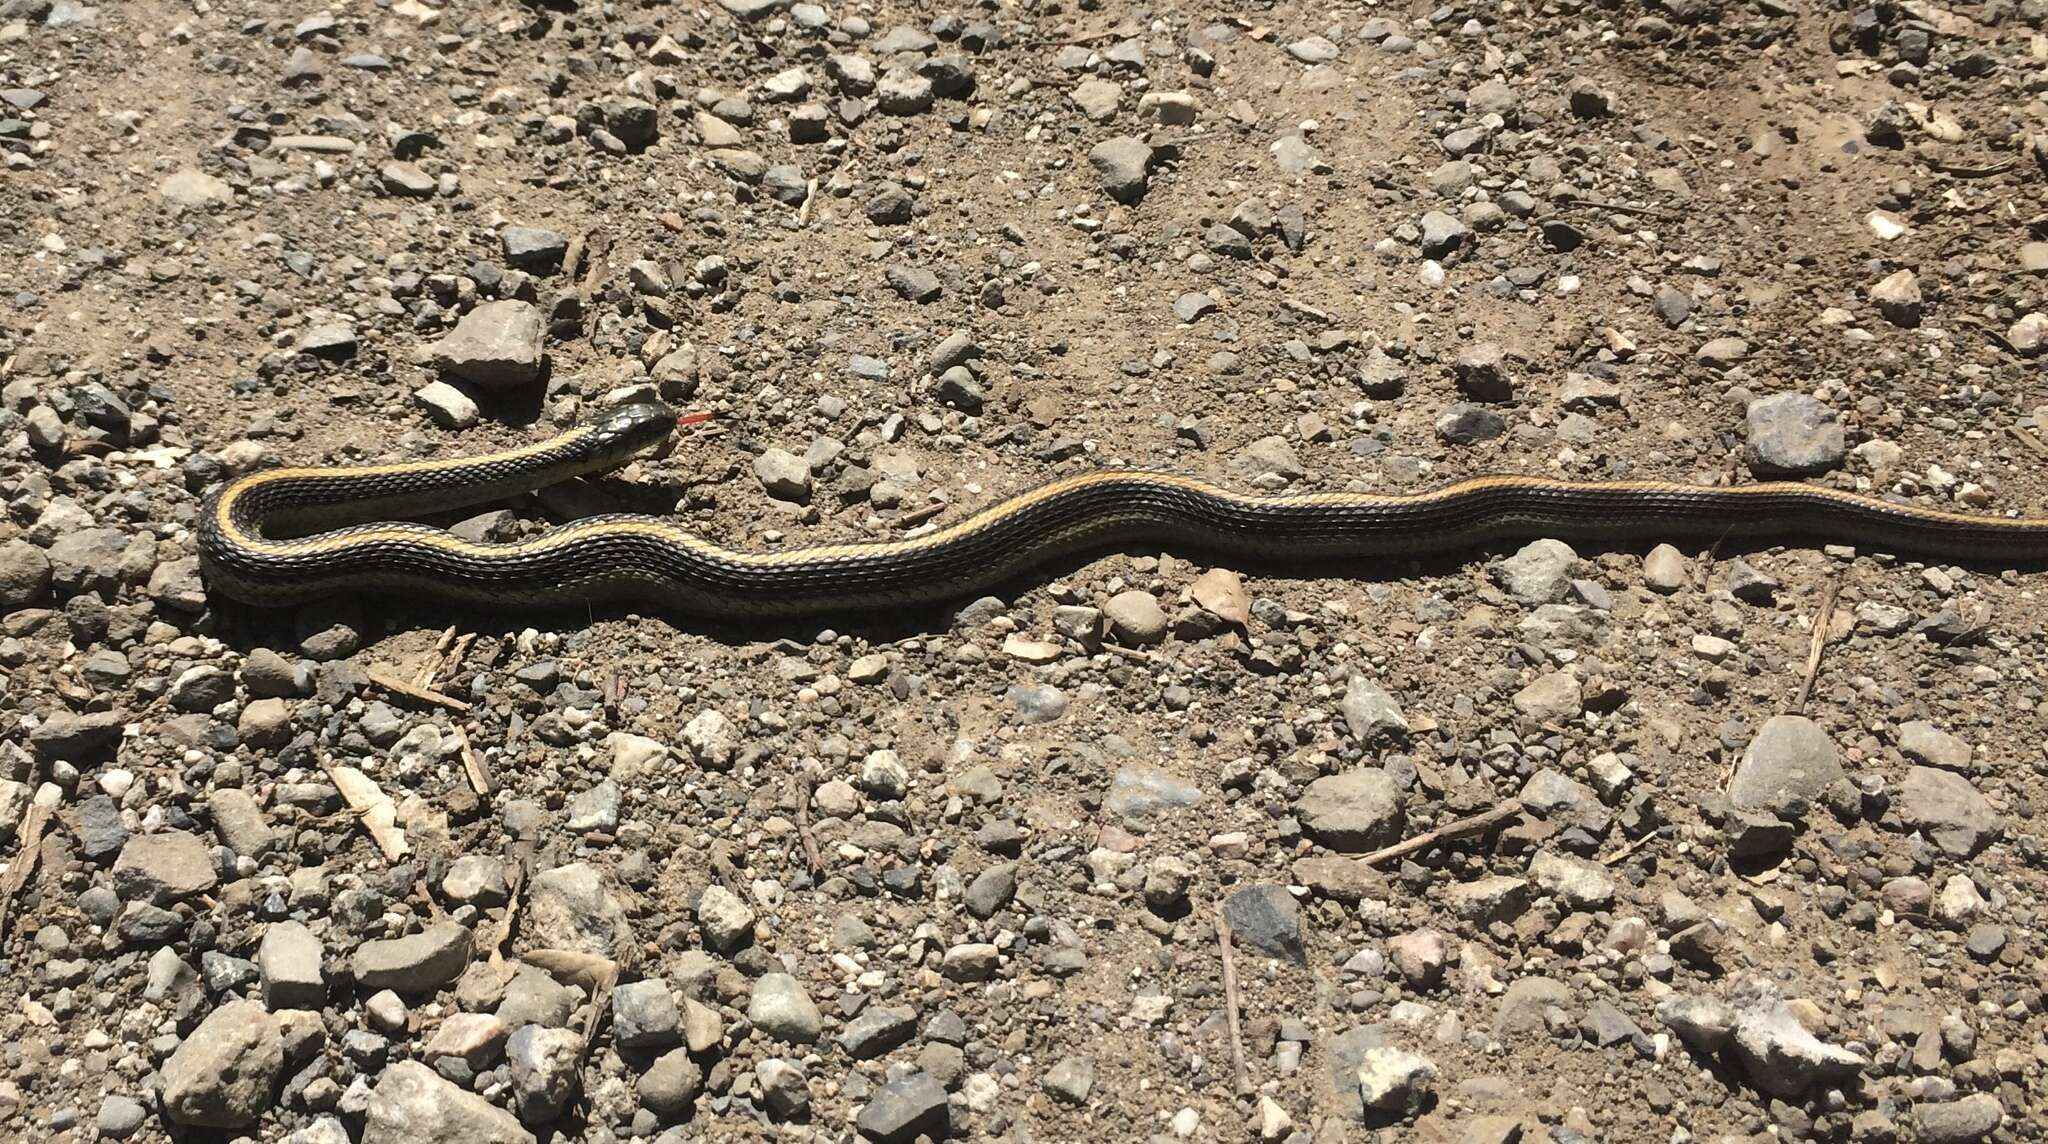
x: 283, y: 536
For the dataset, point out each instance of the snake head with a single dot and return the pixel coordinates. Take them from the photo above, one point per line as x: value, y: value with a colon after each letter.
x: 629, y: 429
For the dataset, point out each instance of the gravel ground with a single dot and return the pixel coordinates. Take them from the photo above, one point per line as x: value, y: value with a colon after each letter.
x: 1536, y: 844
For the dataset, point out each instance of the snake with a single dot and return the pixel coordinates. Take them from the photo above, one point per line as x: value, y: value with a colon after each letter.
x: 289, y: 535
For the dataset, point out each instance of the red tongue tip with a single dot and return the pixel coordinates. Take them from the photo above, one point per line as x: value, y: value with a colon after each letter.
x: 692, y: 418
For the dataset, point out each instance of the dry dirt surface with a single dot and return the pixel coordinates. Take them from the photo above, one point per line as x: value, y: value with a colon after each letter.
x: 1532, y: 844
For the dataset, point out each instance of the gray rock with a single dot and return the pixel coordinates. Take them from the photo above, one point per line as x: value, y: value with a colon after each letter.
x: 594, y: 809
x: 1269, y: 455
x: 1792, y: 435
x: 289, y: 961
x: 1191, y: 306
x: 1469, y: 424
x: 1551, y: 698
x: 1665, y: 570
x: 406, y: 180
x: 1705, y: 1024
x: 77, y: 738
x: 1488, y: 900
x: 570, y: 907
x: 476, y: 879
x: 991, y: 890
x: 1965, y: 1121
x: 1121, y: 164
x: 783, y: 475
x: 1036, y: 702
x: 1481, y: 373
x: 413, y: 1105
x: 24, y: 575
x: 784, y: 1088
x: 1442, y: 234
x: 1897, y: 297
x: 1538, y: 573
x: 753, y: 11
x: 1790, y: 759
x: 726, y: 921
x: 1722, y: 353
x: 670, y: 1085
x: 533, y: 248
x: 1071, y: 1080
x: 1579, y: 884
x: 543, y: 1063
x: 1353, y: 811
x: 1266, y: 919
x: 119, y: 1117
x: 644, y: 1015
x: 1782, y: 1058
x: 164, y: 868
x: 905, y: 1109
x: 240, y: 822
x: 222, y: 1076
x: 1135, y: 617
x: 497, y: 345
x: 533, y: 997
x: 877, y: 1030
x: 914, y: 283
x: 447, y: 406
x: 901, y: 91
x: 1924, y: 742
x: 1346, y: 1055
x: 1370, y: 714
x: 891, y: 205
x: 1605, y: 1026
x: 1526, y: 1005
x: 956, y: 349
x: 780, y: 1008
x: 416, y: 963
x: 1138, y: 791
x: 1394, y: 1080
x: 1952, y: 813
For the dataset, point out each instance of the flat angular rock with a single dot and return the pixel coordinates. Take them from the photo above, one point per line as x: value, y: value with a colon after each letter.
x: 164, y: 868
x: 1791, y: 757
x: 1266, y: 919
x: 223, y: 1075
x: 903, y: 1110
x: 289, y: 961
x: 416, y: 963
x: 1354, y: 811
x: 497, y: 345
x: 413, y: 1105
x: 1122, y: 164
x: 1950, y: 811
x: 1792, y: 435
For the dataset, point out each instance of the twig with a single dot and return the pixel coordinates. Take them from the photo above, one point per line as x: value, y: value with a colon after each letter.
x: 433, y: 668
x: 2029, y: 440
x: 804, y: 779
x: 1962, y: 171
x: 472, y: 766
x: 1628, y: 848
x: 371, y: 807
x: 1472, y: 824
x: 1620, y: 208
x: 1231, y: 1006
x: 1817, y: 645
x: 386, y: 680
x: 515, y: 878
x: 918, y: 516
x: 803, y: 213
x: 25, y: 859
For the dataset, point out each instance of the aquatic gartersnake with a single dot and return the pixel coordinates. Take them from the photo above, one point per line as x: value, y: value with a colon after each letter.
x: 257, y: 544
